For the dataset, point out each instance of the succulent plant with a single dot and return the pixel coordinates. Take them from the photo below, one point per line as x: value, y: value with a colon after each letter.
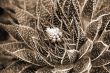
x: 57, y: 36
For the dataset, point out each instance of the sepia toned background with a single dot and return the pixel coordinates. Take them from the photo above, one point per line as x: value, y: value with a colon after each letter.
x: 54, y: 36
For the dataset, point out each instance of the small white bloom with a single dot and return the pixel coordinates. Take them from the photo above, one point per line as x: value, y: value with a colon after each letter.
x: 54, y: 34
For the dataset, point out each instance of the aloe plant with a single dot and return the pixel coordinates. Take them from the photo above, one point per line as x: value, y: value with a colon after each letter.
x: 57, y: 36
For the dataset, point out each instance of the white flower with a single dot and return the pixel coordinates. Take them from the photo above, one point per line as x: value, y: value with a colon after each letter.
x: 54, y: 34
